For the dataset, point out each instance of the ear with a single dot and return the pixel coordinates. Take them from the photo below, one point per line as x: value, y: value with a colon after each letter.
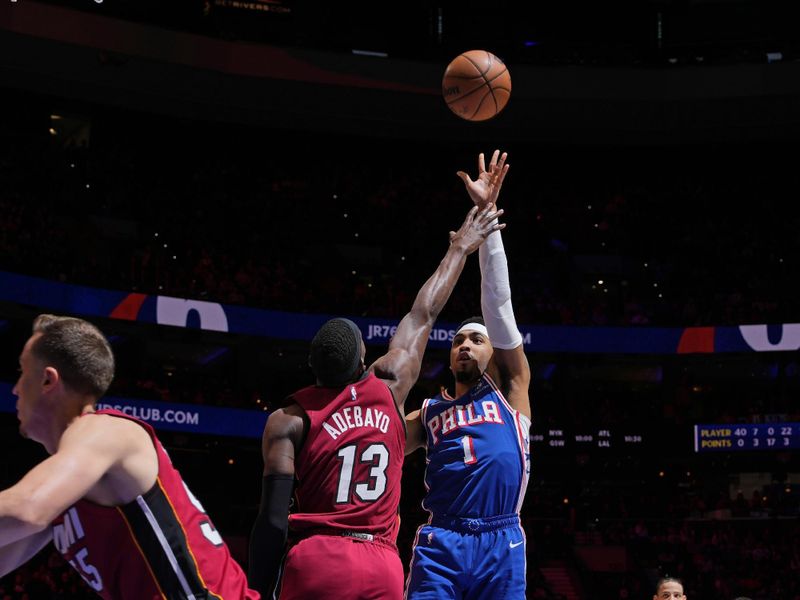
x: 50, y: 378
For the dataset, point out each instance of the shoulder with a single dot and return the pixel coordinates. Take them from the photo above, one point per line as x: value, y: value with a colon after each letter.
x: 104, y: 433
x: 284, y: 435
x: 286, y: 422
x: 107, y: 459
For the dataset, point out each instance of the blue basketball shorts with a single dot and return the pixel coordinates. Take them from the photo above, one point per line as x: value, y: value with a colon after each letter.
x: 469, y: 559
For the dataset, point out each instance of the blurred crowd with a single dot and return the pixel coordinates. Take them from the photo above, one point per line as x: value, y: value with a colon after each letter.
x: 625, y: 238
x: 46, y: 577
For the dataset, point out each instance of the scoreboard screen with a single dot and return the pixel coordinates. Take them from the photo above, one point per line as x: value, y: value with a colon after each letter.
x: 559, y: 438
x: 737, y: 437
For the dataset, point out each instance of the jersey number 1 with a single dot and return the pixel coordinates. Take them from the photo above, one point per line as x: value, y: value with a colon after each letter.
x: 368, y: 491
x: 469, y: 451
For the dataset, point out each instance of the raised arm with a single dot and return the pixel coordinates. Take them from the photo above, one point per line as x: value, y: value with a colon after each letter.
x: 498, y: 314
x: 282, y: 440
x: 400, y: 366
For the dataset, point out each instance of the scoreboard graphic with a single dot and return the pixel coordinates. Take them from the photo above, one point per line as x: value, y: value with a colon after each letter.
x: 740, y: 437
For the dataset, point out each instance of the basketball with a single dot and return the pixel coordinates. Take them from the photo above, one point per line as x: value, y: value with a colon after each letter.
x: 476, y: 85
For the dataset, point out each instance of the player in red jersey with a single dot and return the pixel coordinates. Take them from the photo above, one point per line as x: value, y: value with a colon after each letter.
x: 343, y: 440
x: 108, y: 497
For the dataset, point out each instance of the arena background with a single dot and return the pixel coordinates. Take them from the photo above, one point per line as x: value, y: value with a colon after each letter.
x: 209, y: 181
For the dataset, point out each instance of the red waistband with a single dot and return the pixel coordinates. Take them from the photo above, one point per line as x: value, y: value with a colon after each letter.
x: 295, y: 537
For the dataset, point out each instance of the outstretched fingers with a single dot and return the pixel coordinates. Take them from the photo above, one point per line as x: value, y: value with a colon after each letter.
x: 489, y: 216
x: 470, y: 216
x: 493, y: 162
x: 499, y: 175
x: 495, y: 214
x: 481, y: 164
x: 502, y: 160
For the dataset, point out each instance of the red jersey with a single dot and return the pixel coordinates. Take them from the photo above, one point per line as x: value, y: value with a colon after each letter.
x: 160, y: 546
x: 351, y: 463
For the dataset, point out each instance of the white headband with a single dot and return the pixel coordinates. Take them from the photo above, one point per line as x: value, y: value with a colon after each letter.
x: 474, y: 327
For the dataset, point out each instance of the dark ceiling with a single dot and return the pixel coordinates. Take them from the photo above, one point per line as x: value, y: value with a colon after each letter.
x: 625, y: 32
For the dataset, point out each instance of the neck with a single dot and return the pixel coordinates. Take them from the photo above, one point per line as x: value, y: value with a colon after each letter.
x: 465, y: 386
x: 66, y: 412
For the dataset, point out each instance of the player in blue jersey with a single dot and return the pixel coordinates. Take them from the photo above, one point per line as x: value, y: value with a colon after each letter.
x: 477, y: 442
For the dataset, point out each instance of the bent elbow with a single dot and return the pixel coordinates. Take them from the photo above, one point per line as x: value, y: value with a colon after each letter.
x: 37, y: 518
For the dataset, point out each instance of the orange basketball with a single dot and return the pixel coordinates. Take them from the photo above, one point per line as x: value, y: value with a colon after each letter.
x: 476, y: 85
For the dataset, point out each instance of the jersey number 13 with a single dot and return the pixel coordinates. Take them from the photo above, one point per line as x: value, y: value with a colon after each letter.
x: 373, y: 488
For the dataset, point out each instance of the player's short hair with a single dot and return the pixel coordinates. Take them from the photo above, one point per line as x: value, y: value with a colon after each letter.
x: 667, y: 579
x: 336, y: 352
x: 77, y: 350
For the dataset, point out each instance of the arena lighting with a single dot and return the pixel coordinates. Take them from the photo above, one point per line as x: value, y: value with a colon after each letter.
x: 370, y: 53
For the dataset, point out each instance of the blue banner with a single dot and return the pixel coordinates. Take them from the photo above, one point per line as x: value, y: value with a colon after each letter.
x: 172, y: 416
x: 181, y: 312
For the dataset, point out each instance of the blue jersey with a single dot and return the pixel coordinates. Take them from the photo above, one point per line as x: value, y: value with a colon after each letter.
x: 478, y: 453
